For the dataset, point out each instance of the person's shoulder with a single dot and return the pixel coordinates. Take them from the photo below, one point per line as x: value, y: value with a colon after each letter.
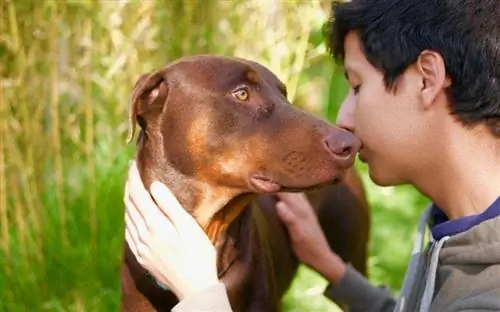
x: 479, y: 291
x: 484, y: 301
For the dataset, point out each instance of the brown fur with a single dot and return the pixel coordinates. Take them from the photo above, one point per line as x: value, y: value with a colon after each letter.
x: 205, y: 144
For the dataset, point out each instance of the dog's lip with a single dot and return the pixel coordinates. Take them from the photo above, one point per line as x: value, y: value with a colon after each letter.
x: 262, y: 183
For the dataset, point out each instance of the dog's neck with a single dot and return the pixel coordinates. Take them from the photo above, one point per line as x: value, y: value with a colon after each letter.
x: 213, y: 208
x: 224, y: 218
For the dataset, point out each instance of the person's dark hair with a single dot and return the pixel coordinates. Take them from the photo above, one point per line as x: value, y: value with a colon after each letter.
x: 466, y: 33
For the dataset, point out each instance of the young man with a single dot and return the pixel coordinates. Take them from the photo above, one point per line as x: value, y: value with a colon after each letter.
x: 425, y: 101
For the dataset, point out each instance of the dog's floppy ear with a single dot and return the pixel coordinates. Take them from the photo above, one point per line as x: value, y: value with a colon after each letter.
x: 150, y: 92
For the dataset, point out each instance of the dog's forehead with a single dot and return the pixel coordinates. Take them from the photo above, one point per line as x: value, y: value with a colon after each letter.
x: 224, y: 72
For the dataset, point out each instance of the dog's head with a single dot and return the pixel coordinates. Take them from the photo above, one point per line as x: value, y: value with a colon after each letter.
x: 227, y: 122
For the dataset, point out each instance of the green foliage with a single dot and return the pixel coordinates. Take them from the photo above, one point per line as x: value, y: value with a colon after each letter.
x: 66, y: 74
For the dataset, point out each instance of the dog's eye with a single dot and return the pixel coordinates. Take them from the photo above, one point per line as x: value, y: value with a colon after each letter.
x: 241, y: 94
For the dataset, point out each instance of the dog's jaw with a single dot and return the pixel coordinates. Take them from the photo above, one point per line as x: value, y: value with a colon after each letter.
x: 223, y: 216
x: 214, y: 208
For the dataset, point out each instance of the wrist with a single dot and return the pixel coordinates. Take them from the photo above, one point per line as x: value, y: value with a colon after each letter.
x: 331, y: 267
x: 200, y: 286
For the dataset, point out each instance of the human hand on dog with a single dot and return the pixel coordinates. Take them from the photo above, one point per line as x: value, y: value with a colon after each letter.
x: 166, y: 240
x: 308, y: 240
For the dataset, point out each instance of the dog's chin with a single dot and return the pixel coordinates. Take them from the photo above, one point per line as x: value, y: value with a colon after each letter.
x: 259, y: 183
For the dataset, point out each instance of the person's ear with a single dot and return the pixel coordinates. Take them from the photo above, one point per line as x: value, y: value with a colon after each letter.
x: 432, y: 69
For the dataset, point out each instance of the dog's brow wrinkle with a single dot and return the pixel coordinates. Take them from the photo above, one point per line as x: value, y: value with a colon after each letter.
x: 253, y: 77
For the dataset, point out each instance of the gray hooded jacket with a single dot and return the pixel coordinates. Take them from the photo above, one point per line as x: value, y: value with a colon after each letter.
x: 457, y: 273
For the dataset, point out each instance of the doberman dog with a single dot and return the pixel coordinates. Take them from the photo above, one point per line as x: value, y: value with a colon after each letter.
x: 221, y: 134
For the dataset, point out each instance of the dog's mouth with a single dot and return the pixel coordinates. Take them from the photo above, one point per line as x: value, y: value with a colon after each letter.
x: 262, y: 183
x: 259, y: 183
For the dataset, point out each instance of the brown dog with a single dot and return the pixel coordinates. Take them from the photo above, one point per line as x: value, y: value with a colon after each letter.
x: 217, y: 131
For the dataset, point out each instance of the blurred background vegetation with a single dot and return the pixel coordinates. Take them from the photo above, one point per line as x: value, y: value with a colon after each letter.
x: 66, y: 73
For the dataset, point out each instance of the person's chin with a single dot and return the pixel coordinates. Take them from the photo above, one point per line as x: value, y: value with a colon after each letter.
x: 383, y: 178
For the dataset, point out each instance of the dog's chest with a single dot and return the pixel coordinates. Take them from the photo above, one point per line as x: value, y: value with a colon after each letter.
x: 251, y: 279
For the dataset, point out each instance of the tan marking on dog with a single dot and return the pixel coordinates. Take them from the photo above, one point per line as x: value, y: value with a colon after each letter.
x: 253, y: 77
x: 223, y: 218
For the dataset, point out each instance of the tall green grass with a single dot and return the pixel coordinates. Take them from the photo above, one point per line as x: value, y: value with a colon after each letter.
x: 66, y: 73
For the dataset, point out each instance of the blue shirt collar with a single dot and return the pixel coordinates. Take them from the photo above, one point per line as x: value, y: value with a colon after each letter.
x: 442, y: 226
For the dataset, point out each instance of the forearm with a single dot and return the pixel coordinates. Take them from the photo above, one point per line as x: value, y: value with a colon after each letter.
x: 356, y: 292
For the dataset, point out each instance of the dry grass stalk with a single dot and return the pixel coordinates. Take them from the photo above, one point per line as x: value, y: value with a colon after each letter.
x: 55, y: 121
x: 4, y: 219
x: 89, y: 133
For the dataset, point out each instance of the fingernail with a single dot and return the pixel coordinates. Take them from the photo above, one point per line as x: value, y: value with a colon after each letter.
x: 155, y: 186
x: 280, y: 207
x: 159, y: 188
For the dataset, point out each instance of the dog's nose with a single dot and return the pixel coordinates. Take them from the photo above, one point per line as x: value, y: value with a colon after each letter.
x: 343, y: 145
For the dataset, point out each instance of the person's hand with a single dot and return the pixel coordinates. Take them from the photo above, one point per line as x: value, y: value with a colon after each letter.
x: 166, y: 240
x: 308, y: 240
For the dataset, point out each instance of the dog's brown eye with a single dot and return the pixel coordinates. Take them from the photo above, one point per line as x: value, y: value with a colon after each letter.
x: 241, y: 94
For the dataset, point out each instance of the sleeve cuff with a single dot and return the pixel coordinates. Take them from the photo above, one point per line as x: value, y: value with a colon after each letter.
x: 356, y: 292
x: 211, y: 299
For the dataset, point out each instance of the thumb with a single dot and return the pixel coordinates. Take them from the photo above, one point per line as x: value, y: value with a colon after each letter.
x: 288, y: 217
x: 290, y: 220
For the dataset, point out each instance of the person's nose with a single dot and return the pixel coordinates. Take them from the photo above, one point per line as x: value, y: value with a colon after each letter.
x: 345, y: 116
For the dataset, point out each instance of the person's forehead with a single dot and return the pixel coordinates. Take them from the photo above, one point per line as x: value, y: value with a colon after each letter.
x: 354, y: 58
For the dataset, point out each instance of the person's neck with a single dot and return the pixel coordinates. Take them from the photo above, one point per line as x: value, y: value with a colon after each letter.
x: 467, y: 180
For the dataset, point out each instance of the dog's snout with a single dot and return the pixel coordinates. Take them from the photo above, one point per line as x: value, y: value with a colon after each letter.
x: 343, y: 145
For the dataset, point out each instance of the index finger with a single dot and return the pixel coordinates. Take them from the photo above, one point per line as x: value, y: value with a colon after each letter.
x: 297, y: 202
x: 292, y: 198
x: 169, y: 204
x: 143, y: 204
